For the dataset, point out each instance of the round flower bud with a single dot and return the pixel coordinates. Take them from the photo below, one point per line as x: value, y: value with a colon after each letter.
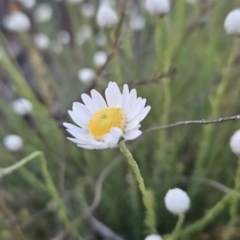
x: 153, y: 237
x: 86, y: 75
x: 158, y: 7
x: 232, y: 22
x: 177, y: 201
x: 235, y: 142
x: 88, y: 10
x: 13, y: 142
x: 22, y: 106
x: 42, y: 41
x: 17, y: 21
x: 43, y: 13
x: 100, y: 58
x: 106, y: 16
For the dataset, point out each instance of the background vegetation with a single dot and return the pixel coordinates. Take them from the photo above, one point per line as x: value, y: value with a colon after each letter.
x: 179, y: 63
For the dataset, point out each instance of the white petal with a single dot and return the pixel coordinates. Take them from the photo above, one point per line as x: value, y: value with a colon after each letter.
x: 132, y: 134
x: 116, y: 93
x: 78, y: 136
x: 131, y: 125
x: 90, y: 103
x: 98, y: 99
x: 77, y: 141
x: 78, y: 121
x: 96, y: 144
x: 139, y: 104
x: 116, y: 132
x: 131, y: 101
x: 144, y: 112
x: 109, y: 98
x: 125, y: 97
x: 82, y: 112
x: 111, y: 141
x: 86, y: 146
x: 74, y: 128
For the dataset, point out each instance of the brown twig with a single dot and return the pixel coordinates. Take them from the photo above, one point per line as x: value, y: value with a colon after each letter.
x: 193, y: 122
x: 114, y: 47
x: 169, y: 74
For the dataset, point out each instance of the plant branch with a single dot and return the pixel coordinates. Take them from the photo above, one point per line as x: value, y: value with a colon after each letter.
x: 194, y: 122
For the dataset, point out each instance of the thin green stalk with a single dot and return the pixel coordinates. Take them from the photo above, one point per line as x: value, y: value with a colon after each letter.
x: 55, y: 195
x: 62, y: 212
x: 11, y: 169
x: 207, y: 219
x: 215, y: 101
x: 150, y: 219
x: 178, y: 226
x: 158, y: 39
x: 235, y: 200
x: 234, y: 206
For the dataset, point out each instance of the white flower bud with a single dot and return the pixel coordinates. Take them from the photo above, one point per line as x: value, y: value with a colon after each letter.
x: 158, y: 7
x: 137, y: 23
x: 43, y: 13
x: 64, y: 37
x: 42, y: 41
x: 153, y: 237
x: 22, y: 106
x: 235, y: 142
x: 177, y: 201
x: 100, y: 58
x: 86, y: 75
x: 232, y: 22
x: 17, y: 21
x: 13, y: 142
x: 88, y: 10
x: 106, y: 16
x: 28, y: 3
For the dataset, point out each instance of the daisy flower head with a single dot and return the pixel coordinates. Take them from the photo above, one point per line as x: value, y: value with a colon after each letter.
x: 103, y: 123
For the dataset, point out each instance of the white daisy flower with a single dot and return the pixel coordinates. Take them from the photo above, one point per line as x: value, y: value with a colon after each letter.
x: 102, y: 124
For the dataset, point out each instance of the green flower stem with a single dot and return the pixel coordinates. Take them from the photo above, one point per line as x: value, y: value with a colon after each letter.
x: 215, y: 101
x: 62, y: 211
x: 158, y: 38
x: 55, y: 195
x: 235, y: 203
x: 207, y: 219
x: 234, y: 206
x: 178, y: 226
x: 9, y: 170
x: 146, y: 195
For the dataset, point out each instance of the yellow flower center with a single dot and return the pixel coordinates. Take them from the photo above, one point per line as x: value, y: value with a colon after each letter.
x: 103, y: 120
